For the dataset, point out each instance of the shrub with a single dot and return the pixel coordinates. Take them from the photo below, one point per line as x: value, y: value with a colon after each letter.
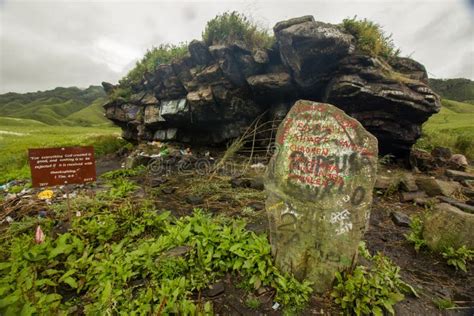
x: 416, y: 233
x: 230, y: 27
x: 370, y: 37
x: 162, y: 54
x: 117, y: 261
x: 367, y: 291
x: 458, y: 257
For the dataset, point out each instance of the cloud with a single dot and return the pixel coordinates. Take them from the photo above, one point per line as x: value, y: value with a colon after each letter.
x: 45, y: 44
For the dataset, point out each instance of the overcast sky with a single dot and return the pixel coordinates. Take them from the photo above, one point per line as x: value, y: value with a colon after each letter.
x: 45, y: 44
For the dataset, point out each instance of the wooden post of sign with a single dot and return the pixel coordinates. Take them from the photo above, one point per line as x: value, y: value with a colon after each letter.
x: 68, y: 201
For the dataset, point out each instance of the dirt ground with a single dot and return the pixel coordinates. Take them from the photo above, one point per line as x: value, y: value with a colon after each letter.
x: 428, y: 273
x: 183, y: 190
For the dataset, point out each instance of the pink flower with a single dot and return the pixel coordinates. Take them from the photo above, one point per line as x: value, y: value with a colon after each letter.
x: 39, y: 235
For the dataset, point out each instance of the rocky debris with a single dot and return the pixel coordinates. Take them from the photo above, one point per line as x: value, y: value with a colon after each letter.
x: 441, y: 155
x: 400, y: 219
x: 194, y: 199
x: 463, y: 206
x: 156, y: 182
x: 214, y: 289
x: 319, y: 191
x: 449, y: 226
x: 214, y: 93
x: 408, y: 183
x: 422, y: 160
x: 384, y: 182
x: 422, y: 201
x: 458, y: 162
x: 434, y: 187
x: 168, y: 190
x: 411, y: 196
x: 179, y: 251
x: 253, y: 183
x: 468, y: 192
x: 459, y: 175
x: 258, y: 206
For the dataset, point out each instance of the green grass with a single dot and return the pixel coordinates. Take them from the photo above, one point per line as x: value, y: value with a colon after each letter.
x: 162, y: 54
x: 230, y: 27
x: 452, y: 127
x: 370, y: 37
x: 12, y: 121
x: 16, y: 139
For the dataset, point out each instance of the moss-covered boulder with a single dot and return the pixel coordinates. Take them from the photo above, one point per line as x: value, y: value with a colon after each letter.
x: 319, y: 185
x: 448, y: 226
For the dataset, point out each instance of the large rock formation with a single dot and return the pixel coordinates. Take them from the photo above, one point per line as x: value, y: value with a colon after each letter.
x: 212, y: 94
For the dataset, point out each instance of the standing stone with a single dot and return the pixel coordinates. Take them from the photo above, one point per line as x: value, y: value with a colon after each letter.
x: 319, y: 184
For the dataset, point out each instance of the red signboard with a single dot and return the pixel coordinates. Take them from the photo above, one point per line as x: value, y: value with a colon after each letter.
x: 63, y: 165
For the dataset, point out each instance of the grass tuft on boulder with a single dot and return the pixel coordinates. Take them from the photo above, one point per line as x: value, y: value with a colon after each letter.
x: 165, y: 53
x: 370, y: 37
x: 231, y: 27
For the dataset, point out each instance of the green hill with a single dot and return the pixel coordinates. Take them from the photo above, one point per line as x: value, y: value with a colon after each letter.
x: 452, y: 127
x: 60, y: 106
x: 90, y: 115
x: 458, y: 89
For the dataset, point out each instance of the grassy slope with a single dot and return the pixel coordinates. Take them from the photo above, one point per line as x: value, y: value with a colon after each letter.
x: 452, y: 127
x: 92, y: 115
x: 57, y: 107
x: 15, y: 139
x: 11, y: 121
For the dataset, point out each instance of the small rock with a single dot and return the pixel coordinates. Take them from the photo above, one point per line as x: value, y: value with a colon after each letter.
x: 42, y: 214
x: 407, y: 183
x: 400, y: 219
x: 458, y: 161
x: 258, y: 206
x: 194, y: 199
x: 434, y: 187
x: 214, y: 289
x: 410, y: 196
x: 463, y: 206
x: 240, y: 183
x: 421, y: 159
x: 425, y: 201
x: 441, y: 153
x: 168, y: 190
x: 384, y: 182
x: 257, y: 184
x: 155, y: 182
x: 178, y: 251
x: 459, y: 175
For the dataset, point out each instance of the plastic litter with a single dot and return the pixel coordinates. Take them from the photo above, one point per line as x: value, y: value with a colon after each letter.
x: 46, y: 195
x: 275, y: 306
x: 39, y: 235
x: 78, y: 214
x: 258, y: 166
x: 7, y: 185
x: 7, y: 219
